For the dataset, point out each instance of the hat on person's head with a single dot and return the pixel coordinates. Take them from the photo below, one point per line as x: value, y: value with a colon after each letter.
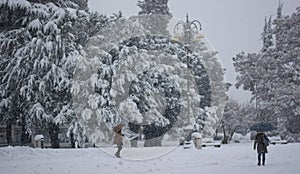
x: 118, y: 127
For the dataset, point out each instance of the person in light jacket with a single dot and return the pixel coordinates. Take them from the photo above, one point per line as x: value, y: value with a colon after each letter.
x: 118, y: 139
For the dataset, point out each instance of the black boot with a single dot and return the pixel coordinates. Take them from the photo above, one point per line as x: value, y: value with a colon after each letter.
x: 263, y: 159
x: 259, y: 159
x: 117, y: 155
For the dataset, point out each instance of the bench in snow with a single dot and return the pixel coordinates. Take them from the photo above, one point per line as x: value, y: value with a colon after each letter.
x: 279, y: 142
x: 211, y: 144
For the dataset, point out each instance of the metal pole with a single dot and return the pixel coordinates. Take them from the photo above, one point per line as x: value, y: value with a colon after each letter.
x: 187, y: 36
x: 188, y: 31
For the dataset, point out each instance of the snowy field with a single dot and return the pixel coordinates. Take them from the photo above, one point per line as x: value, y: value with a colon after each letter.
x: 229, y: 159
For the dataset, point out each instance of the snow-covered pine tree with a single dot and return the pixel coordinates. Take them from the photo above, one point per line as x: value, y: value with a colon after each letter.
x: 154, y: 16
x: 158, y: 114
x: 215, y: 109
x: 267, y: 35
x: 265, y: 85
x: 152, y: 7
x: 254, y: 72
x: 276, y: 83
x: 99, y: 21
x: 200, y: 92
x: 39, y: 51
x: 211, y: 112
x: 245, y: 65
x: 287, y: 56
x: 13, y: 37
x: 113, y: 66
x: 82, y: 4
x: 47, y: 35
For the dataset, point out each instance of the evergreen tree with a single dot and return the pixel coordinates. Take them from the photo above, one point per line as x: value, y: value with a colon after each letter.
x: 41, y: 42
x: 14, y: 36
x: 288, y: 55
x: 151, y: 7
x: 255, y: 71
x: 141, y: 72
x: 82, y: 4
x: 214, y: 111
x: 267, y: 35
x: 39, y: 52
x: 272, y: 75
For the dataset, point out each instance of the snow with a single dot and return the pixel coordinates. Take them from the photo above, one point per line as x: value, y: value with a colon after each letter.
x: 229, y: 159
x: 239, y: 137
x: 196, y: 135
x: 35, y: 24
x: 50, y: 27
x: 40, y: 10
x: 14, y: 4
x: 38, y: 137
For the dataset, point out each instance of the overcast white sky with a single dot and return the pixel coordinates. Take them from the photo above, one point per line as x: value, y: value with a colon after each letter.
x: 231, y: 26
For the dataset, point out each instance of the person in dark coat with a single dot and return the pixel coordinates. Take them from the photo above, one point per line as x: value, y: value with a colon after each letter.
x: 261, y: 142
x: 118, y: 139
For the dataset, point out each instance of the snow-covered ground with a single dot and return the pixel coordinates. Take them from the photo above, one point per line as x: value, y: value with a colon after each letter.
x: 232, y: 158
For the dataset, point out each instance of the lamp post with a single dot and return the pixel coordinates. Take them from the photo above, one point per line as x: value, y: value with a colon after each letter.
x: 189, y: 28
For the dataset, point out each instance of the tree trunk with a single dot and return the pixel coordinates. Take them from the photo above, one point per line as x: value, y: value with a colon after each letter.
x: 136, y: 129
x: 25, y: 137
x: 225, y: 138
x: 231, y: 133
x: 53, y: 132
x: 153, y: 142
x: 133, y: 143
x: 8, y: 133
x: 72, y: 139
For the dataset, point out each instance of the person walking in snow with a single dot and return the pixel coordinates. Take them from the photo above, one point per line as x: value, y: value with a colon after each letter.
x: 261, y: 142
x: 118, y: 138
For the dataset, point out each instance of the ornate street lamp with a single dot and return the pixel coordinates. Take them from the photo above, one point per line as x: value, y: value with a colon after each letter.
x: 189, y: 28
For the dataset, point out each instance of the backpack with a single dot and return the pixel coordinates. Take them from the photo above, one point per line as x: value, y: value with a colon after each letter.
x: 262, y: 139
x: 265, y: 141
